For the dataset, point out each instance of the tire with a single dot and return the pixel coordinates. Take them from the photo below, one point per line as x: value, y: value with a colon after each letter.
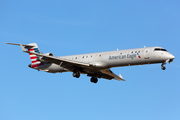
x: 94, y: 80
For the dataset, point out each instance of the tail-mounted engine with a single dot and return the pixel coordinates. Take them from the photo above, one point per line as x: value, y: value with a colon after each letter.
x: 44, y: 59
x: 48, y: 54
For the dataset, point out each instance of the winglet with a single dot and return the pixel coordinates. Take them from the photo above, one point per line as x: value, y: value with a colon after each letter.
x: 120, y: 76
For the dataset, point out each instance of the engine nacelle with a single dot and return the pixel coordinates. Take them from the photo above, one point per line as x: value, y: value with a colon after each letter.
x: 48, y: 54
x: 43, y: 59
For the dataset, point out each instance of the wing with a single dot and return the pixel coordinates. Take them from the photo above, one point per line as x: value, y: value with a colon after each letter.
x: 111, y: 75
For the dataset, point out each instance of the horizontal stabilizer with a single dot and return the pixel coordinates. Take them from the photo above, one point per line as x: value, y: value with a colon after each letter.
x: 20, y: 44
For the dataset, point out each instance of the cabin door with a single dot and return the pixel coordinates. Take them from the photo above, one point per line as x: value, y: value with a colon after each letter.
x: 146, y: 54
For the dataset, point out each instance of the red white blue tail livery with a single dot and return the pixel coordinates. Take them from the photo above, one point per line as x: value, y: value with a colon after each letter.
x: 33, y: 57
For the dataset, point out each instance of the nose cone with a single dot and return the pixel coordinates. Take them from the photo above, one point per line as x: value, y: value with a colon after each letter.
x: 171, y: 56
x: 168, y: 56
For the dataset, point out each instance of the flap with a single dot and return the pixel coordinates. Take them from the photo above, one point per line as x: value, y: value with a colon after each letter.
x: 110, y: 73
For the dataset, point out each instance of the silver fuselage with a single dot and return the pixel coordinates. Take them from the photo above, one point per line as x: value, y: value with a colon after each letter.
x: 118, y: 58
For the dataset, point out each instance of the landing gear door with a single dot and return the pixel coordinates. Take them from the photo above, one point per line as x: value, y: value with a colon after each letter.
x: 146, y: 54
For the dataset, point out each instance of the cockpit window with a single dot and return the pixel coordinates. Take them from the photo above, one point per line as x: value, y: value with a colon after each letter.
x: 159, y: 49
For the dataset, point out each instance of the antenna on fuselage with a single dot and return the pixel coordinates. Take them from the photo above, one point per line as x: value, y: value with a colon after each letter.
x: 144, y: 46
x: 117, y: 49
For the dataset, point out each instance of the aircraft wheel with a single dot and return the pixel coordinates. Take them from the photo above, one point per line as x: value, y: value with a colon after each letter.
x: 76, y: 74
x: 94, y: 80
x: 163, y: 68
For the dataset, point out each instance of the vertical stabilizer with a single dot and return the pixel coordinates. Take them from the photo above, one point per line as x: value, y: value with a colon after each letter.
x: 34, y: 58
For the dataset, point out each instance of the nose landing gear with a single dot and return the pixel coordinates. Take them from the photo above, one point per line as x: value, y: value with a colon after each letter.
x: 162, y: 66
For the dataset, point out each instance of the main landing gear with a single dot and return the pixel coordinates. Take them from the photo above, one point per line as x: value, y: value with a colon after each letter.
x: 94, y: 80
x: 76, y: 74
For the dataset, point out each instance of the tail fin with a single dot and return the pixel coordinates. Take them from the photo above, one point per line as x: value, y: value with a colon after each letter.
x: 35, y: 62
x: 33, y: 48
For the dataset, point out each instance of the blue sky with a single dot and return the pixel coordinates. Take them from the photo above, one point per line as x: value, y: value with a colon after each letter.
x: 75, y: 27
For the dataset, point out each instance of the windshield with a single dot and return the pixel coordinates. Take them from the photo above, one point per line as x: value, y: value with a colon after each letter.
x: 160, y: 49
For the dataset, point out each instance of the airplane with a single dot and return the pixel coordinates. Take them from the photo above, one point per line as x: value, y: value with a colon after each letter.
x: 95, y: 65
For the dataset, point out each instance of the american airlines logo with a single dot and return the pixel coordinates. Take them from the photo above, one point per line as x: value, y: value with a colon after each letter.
x: 131, y: 56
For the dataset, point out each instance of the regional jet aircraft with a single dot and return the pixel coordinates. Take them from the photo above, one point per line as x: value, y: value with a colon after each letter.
x: 95, y: 65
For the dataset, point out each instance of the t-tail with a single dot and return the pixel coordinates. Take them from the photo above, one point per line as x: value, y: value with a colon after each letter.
x: 33, y: 47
